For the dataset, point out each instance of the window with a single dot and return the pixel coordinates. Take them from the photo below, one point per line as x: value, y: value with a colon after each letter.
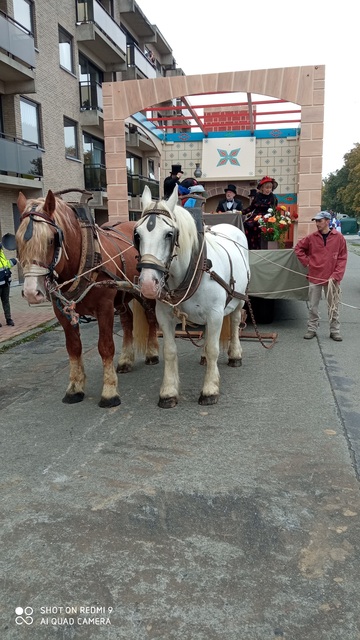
x: 151, y: 169
x: 66, y: 50
x: 23, y: 14
x: 94, y: 150
x: 94, y: 163
x: 30, y: 121
x: 133, y: 164
x: 91, y: 79
x: 71, y: 139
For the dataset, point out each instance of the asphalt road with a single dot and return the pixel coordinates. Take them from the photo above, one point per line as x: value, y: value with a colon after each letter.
x: 234, y: 522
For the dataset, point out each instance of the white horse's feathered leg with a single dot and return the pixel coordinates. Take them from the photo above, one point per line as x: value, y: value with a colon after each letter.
x: 235, y: 348
x: 211, y: 387
x: 169, y: 390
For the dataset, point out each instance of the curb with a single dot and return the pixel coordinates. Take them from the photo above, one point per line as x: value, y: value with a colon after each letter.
x: 29, y: 335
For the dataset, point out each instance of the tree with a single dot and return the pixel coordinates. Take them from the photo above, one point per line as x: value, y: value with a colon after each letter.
x: 341, y: 190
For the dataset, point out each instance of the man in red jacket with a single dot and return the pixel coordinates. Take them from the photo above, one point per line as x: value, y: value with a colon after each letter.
x: 325, y: 254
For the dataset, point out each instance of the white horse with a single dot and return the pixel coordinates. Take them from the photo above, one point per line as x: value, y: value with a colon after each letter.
x: 199, y: 277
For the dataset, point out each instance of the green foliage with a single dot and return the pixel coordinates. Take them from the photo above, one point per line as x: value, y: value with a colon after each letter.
x: 341, y: 190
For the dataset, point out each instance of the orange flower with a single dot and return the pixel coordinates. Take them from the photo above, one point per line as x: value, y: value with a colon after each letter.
x: 272, y: 219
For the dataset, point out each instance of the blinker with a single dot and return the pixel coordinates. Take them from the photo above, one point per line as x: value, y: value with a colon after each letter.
x: 29, y: 230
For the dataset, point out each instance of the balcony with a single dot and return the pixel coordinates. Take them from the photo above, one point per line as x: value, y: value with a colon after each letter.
x: 137, y: 183
x: 20, y: 162
x: 137, y: 21
x: 17, y: 57
x: 95, y: 177
x: 96, y: 28
x: 91, y: 104
x: 138, y: 64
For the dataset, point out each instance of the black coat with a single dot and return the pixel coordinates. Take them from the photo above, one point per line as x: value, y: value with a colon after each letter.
x: 223, y: 208
x: 260, y: 204
x: 169, y: 185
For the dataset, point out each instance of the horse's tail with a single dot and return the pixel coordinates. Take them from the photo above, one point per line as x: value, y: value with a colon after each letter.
x: 225, y: 333
x: 140, y: 327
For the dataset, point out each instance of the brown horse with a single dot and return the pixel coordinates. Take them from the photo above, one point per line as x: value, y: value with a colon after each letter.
x: 84, y: 269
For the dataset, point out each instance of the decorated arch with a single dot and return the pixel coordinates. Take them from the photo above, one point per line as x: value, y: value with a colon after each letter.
x: 300, y: 85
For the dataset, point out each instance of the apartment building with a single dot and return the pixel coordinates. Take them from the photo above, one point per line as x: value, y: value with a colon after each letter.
x: 54, y: 57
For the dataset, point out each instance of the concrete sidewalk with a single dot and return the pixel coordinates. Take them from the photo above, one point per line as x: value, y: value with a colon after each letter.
x: 28, y: 319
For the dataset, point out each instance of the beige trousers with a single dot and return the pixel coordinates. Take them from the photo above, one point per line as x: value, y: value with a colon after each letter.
x: 315, y: 291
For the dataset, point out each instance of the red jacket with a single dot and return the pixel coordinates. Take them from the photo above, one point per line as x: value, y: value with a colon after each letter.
x: 325, y: 261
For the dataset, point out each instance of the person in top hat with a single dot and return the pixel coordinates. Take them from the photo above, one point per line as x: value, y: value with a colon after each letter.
x: 230, y: 202
x: 263, y: 200
x: 172, y: 180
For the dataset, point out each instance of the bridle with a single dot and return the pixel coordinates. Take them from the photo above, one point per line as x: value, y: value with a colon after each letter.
x: 33, y: 214
x: 149, y: 261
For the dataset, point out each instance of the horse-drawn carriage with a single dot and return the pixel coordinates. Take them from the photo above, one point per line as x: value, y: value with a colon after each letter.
x: 188, y: 273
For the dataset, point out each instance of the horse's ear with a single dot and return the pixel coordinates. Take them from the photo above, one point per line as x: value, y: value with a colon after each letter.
x: 146, y: 197
x: 50, y: 203
x: 21, y: 203
x: 172, y: 201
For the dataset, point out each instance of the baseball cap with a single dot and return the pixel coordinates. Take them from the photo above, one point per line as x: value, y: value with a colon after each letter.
x: 322, y: 215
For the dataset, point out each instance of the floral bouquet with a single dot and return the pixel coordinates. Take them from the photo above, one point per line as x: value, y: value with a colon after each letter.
x: 275, y: 223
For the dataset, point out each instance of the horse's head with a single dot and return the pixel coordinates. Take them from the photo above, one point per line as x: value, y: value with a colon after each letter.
x: 157, y: 239
x: 39, y: 240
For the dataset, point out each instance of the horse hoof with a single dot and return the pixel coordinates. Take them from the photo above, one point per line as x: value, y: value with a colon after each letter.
x: 124, y: 368
x: 152, y: 360
x: 109, y: 402
x: 235, y: 362
x: 203, y: 361
x: 208, y: 400
x: 167, y: 403
x: 73, y: 398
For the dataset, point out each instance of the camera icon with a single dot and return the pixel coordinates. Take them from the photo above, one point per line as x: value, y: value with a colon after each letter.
x: 24, y: 616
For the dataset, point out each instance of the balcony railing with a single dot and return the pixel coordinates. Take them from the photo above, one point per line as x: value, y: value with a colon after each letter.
x: 91, y: 97
x: 136, y: 58
x: 91, y: 11
x: 95, y: 177
x: 20, y: 157
x: 137, y: 183
x: 16, y: 41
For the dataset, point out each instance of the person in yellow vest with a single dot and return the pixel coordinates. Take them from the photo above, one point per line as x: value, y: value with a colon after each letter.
x: 5, y: 279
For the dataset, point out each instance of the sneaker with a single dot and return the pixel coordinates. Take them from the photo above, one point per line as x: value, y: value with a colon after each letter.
x: 10, y: 322
x: 336, y: 337
x: 309, y: 334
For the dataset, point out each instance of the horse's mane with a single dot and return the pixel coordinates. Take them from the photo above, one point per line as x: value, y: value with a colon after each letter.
x: 38, y: 243
x: 182, y: 220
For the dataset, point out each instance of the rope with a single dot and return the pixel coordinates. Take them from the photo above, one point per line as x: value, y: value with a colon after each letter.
x: 97, y: 267
x: 333, y: 295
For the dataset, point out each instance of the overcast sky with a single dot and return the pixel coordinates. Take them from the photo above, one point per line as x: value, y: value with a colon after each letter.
x: 263, y: 35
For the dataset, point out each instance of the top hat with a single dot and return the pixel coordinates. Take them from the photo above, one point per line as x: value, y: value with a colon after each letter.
x: 230, y: 187
x: 176, y: 168
x: 266, y: 179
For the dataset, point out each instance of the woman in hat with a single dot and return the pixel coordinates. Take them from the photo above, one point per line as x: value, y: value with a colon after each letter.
x: 229, y: 203
x: 263, y: 200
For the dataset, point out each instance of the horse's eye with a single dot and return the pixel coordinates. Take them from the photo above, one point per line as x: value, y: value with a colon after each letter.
x: 170, y: 234
x: 51, y: 241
